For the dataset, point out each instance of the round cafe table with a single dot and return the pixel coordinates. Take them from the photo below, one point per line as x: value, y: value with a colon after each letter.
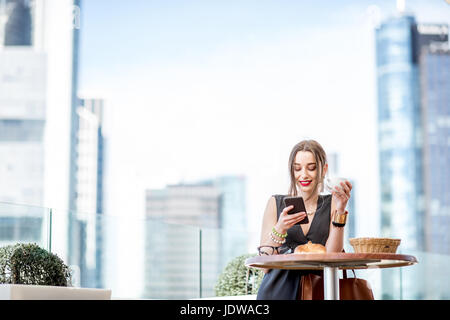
x: 330, y: 263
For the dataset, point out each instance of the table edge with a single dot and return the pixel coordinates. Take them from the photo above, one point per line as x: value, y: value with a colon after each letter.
x: 331, y: 258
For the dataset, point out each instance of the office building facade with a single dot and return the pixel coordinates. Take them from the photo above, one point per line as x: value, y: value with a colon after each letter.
x: 38, y: 51
x: 405, y: 107
x: 86, y: 221
x: 399, y: 41
x: 181, y: 241
x: 399, y: 133
x: 435, y: 88
x: 233, y: 219
x: 16, y: 22
x: 22, y: 150
x: 200, y: 227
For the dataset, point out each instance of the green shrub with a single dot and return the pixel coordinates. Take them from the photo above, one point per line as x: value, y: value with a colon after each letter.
x: 29, y: 264
x: 236, y: 279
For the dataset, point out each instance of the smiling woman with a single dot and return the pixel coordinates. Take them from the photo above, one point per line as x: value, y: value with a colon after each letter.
x: 307, y: 168
x: 313, y: 158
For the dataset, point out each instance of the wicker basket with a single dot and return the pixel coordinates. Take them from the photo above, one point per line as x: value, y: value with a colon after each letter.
x: 374, y: 245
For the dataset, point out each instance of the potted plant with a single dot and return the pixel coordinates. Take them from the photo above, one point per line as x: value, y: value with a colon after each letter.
x: 28, y: 271
x: 237, y: 279
x: 30, y: 264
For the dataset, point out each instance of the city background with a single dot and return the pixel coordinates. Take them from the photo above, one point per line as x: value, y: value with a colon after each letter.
x: 151, y: 133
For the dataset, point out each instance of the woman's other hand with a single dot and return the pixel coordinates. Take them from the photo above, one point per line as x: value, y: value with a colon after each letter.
x: 341, y: 194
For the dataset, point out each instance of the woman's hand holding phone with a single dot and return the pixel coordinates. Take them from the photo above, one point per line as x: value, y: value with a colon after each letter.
x: 286, y: 221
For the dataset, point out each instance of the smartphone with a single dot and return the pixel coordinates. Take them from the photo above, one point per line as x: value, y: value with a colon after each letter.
x: 299, y: 206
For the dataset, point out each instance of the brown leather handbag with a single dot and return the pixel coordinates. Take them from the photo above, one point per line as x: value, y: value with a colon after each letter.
x: 349, y: 288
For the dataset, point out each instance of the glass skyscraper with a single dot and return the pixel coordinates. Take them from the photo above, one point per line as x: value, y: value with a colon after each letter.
x: 174, y: 244
x: 22, y: 124
x: 435, y: 86
x: 201, y: 222
x: 38, y: 101
x: 233, y: 218
x: 399, y: 41
x: 399, y: 132
x: 16, y: 22
x: 86, y: 225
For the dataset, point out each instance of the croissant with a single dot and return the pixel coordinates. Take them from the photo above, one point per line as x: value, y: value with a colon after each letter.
x: 310, y: 248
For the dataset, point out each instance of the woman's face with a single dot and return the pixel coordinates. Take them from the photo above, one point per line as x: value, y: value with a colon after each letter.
x: 306, y: 172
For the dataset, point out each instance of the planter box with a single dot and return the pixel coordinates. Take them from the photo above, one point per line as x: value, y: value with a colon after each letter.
x: 31, y: 292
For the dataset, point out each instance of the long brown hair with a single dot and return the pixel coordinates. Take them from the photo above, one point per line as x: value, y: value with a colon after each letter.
x: 319, y: 154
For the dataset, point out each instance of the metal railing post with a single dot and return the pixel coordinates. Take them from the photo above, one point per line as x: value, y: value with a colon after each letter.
x: 49, y: 238
x: 200, y: 261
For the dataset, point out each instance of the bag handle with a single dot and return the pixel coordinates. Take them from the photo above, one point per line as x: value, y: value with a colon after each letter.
x: 344, y: 271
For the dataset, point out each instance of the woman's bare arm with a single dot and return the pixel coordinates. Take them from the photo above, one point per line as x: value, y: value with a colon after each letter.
x: 340, y: 197
x: 269, y: 220
x: 335, y: 242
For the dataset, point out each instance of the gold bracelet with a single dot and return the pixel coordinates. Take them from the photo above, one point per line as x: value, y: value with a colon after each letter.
x: 340, y: 219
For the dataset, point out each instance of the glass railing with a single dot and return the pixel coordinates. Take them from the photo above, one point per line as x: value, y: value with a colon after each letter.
x: 150, y: 259
x: 24, y: 224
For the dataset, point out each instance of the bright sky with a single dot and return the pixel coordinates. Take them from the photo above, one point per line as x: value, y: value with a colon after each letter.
x: 197, y: 89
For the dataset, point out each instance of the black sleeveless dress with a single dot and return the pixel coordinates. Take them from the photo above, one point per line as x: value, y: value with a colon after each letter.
x: 279, y: 284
